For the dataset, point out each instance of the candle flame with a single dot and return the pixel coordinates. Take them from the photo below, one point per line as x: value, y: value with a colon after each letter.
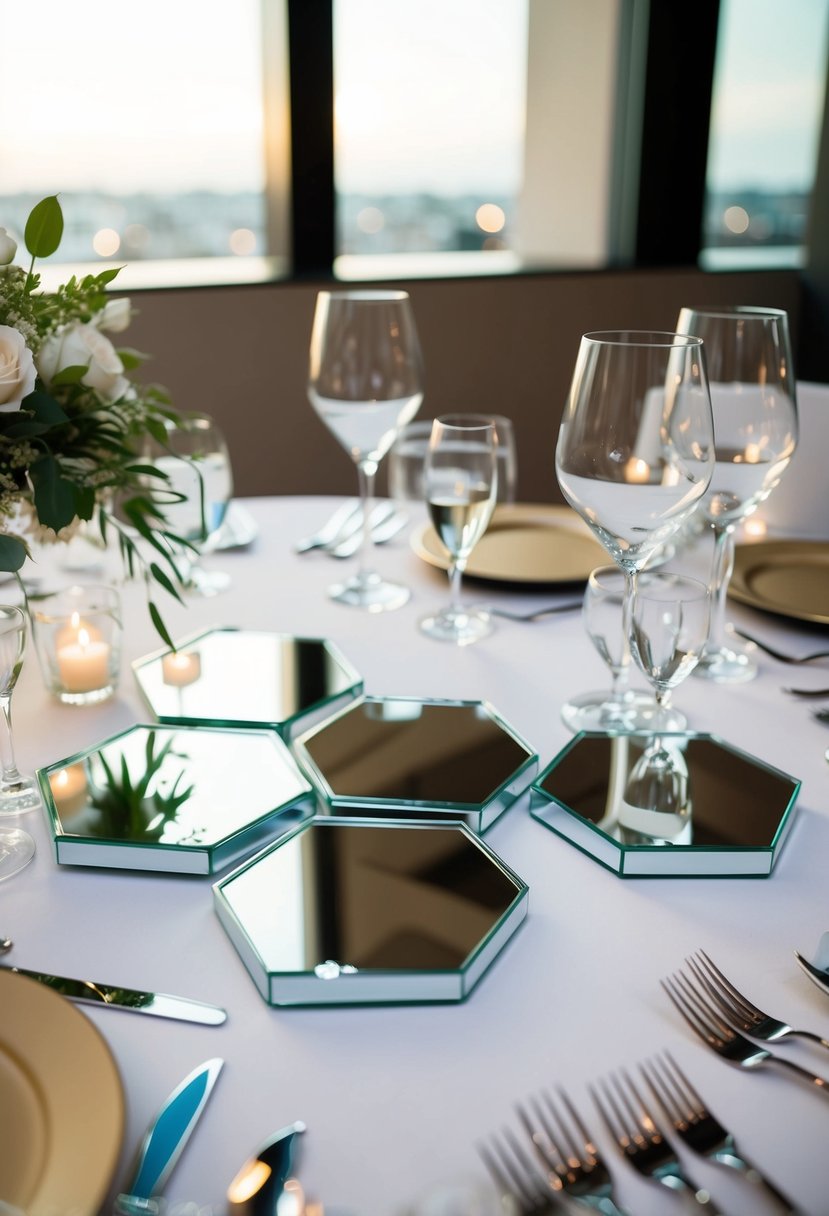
x: 637, y: 471
x: 83, y: 638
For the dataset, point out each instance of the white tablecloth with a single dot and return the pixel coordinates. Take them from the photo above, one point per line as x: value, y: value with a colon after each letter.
x: 395, y: 1097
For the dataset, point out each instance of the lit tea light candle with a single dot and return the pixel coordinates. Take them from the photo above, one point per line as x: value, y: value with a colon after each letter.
x: 83, y: 664
x: 180, y: 669
x: 69, y: 789
x: 637, y: 472
x: 69, y: 633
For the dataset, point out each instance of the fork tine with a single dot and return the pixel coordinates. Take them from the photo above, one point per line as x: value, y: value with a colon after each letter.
x: 665, y: 1090
x: 608, y: 1111
x: 543, y: 1140
x: 589, y: 1146
x: 739, y: 999
x: 699, y: 1016
x: 683, y: 1087
x: 504, y: 1168
x: 721, y: 997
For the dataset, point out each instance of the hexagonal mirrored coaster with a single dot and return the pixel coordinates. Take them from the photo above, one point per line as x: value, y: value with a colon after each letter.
x: 240, y: 677
x: 407, y: 758
x: 349, y: 911
x: 187, y: 800
x: 726, y: 814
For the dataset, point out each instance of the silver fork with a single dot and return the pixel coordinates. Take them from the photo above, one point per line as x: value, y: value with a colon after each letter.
x: 522, y: 1187
x: 568, y: 1153
x: 739, y: 1010
x: 641, y: 1141
x: 697, y: 1128
x: 333, y: 528
x: 779, y: 654
x: 734, y: 1047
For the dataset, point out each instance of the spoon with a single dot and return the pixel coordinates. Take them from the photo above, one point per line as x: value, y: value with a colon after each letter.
x: 6, y: 943
x: 818, y: 969
x: 261, y: 1182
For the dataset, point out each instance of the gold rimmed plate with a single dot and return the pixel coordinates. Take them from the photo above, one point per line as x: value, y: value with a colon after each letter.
x: 787, y: 577
x: 524, y: 543
x: 61, y: 1103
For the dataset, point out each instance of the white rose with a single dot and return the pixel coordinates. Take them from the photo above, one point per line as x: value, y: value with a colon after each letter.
x: 17, y: 369
x: 8, y: 248
x: 115, y: 316
x: 79, y: 344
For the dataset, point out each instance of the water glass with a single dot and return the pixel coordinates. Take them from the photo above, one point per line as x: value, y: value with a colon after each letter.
x: 77, y: 634
x: 407, y: 460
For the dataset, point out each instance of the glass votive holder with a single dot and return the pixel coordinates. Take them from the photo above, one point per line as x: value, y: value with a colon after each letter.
x: 77, y: 635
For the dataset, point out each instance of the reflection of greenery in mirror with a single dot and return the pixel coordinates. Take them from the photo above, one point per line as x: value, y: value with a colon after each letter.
x: 127, y: 809
x: 124, y: 997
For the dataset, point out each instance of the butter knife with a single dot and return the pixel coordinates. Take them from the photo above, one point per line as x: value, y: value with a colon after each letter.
x: 818, y: 969
x: 158, y: 1004
x: 165, y: 1140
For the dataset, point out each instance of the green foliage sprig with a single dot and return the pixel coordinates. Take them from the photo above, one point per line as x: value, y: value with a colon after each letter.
x: 70, y: 445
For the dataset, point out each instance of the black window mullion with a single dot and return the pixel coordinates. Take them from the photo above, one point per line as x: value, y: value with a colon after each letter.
x: 682, y: 43
x: 311, y: 64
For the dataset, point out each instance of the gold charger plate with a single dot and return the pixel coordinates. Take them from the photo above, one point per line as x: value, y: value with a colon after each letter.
x: 789, y: 577
x: 61, y: 1103
x: 524, y: 543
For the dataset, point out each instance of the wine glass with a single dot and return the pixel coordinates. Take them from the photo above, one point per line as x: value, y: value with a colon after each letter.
x: 671, y: 616
x: 195, y: 459
x: 365, y: 382
x: 620, y: 708
x: 461, y: 482
x: 17, y: 793
x: 635, y: 448
x: 749, y: 361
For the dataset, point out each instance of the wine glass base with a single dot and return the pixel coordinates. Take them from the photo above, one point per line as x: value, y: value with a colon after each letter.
x: 16, y: 851
x: 635, y: 713
x: 206, y: 582
x: 19, y: 797
x: 371, y: 592
x: 727, y: 665
x: 457, y: 625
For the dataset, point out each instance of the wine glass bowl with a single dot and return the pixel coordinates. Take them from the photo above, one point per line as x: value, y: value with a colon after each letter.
x: 17, y: 792
x: 365, y: 381
x: 195, y: 497
x: 461, y: 482
x: 619, y: 708
x: 753, y: 398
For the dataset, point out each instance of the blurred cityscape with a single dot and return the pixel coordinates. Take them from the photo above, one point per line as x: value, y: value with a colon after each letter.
x: 204, y: 224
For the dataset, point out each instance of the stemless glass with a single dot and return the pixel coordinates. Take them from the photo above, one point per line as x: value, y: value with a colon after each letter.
x: 670, y: 625
x: 461, y: 484
x: 748, y: 354
x: 365, y: 382
x: 196, y: 461
x: 635, y: 448
x: 619, y: 708
x: 17, y: 793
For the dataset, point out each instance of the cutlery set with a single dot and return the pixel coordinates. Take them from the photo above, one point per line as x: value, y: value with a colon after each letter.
x: 342, y: 534
x: 555, y: 1165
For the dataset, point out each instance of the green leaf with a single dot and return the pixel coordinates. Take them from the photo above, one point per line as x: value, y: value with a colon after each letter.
x: 146, y: 470
x: 71, y: 375
x: 161, y: 628
x: 167, y: 583
x: 106, y: 276
x: 44, y: 408
x: 54, y: 495
x: 12, y: 553
x: 44, y: 228
x: 131, y: 358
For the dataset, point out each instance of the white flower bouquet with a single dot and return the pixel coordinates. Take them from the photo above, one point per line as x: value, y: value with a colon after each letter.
x: 72, y: 420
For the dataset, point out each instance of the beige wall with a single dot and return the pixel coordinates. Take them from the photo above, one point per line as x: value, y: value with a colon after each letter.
x: 505, y: 345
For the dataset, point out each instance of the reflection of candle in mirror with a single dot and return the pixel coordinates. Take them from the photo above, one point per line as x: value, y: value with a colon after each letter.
x: 69, y: 789
x: 181, y: 668
x: 637, y: 471
x: 83, y: 664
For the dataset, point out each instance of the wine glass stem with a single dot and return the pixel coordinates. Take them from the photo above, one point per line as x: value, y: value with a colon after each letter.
x: 11, y: 775
x: 455, y: 577
x: 627, y: 612
x: 721, y: 574
x: 366, y: 473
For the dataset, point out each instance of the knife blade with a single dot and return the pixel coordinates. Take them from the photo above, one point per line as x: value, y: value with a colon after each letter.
x: 158, y: 1004
x: 165, y: 1140
x: 817, y: 975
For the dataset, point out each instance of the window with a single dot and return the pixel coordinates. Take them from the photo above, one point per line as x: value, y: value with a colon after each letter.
x: 147, y: 121
x: 769, y: 85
